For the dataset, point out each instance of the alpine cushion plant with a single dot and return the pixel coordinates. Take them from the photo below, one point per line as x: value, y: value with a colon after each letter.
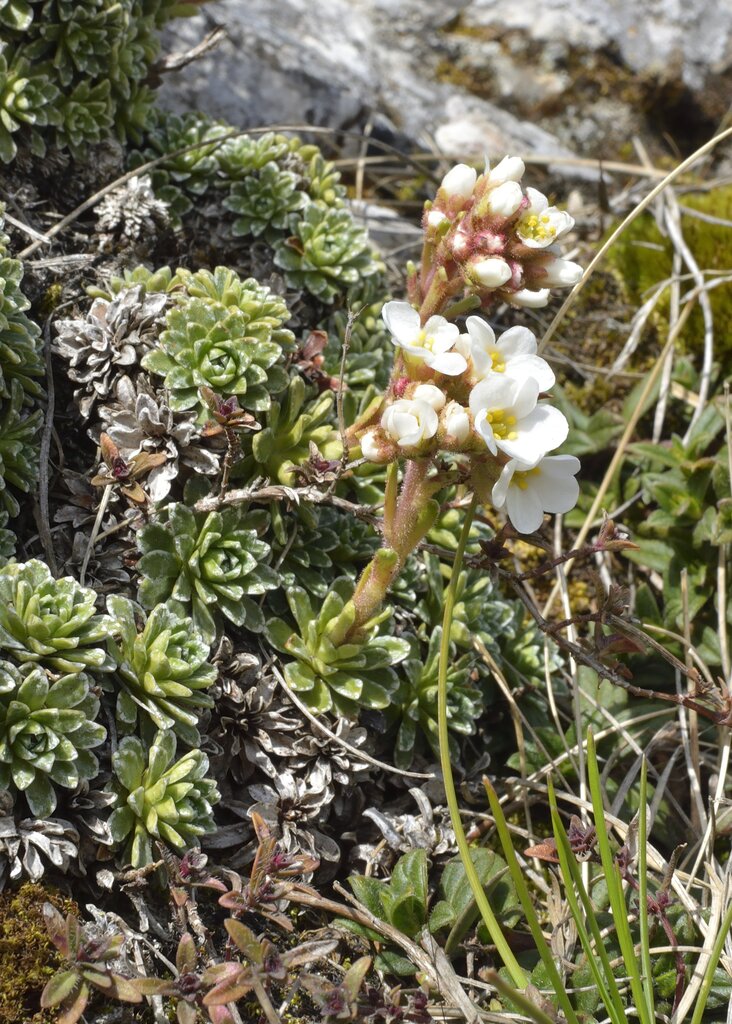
x: 161, y: 671
x: 326, y: 253
x: 227, y: 339
x: 327, y: 674
x: 47, y: 730
x: 52, y: 622
x: 206, y: 563
x: 159, y: 797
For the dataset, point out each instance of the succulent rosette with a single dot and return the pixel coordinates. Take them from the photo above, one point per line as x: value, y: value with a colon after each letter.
x: 206, y: 563
x: 52, y: 622
x: 159, y: 797
x: 326, y: 673
x: 47, y: 730
x: 161, y: 670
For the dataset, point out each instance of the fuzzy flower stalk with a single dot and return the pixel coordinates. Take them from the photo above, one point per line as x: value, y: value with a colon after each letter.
x: 465, y: 404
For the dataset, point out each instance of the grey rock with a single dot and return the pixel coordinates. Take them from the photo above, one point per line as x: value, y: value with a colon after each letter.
x: 334, y: 65
x: 668, y: 38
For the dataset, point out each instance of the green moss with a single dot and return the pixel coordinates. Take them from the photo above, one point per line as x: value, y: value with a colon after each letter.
x: 27, y: 955
x: 643, y: 257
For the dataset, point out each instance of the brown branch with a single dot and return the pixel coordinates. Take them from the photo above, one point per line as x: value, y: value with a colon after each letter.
x: 295, y: 495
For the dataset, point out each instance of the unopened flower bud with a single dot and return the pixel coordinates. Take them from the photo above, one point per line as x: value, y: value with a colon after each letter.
x: 457, y: 421
x: 370, y: 448
x: 492, y: 272
x: 511, y: 168
x: 531, y: 299
x: 435, y: 218
x: 562, y: 272
x: 506, y: 199
x: 460, y: 181
x: 430, y: 394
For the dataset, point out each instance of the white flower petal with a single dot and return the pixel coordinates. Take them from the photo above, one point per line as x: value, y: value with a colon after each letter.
x: 538, y: 202
x: 529, y: 299
x: 525, y: 397
x: 369, y: 447
x: 505, y: 199
x: 480, y: 332
x: 501, y: 486
x: 494, y: 392
x: 524, y: 510
x: 562, y: 273
x: 544, y: 429
x: 435, y: 218
x: 492, y: 272
x: 452, y: 364
x: 441, y: 333
x: 485, y: 430
x: 460, y: 181
x: 516, y: 341
x: 556, y: 484
x: 457, y: 422
x: 520, y: 367
x: 431, y: 394
x: 401, y: 319
x: 511, y: 168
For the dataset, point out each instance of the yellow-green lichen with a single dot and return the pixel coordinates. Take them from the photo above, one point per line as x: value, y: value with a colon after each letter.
x: 27, y: 955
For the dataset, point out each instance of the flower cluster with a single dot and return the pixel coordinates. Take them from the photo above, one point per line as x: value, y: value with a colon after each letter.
x: 480, y: 395
x: 492, y: 238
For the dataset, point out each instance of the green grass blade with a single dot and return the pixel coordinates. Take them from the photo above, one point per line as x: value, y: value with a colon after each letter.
x: 486, y: 911
x: 593, y: 945
x: 645, y: 941
x: 524, y: 1004
x: 614, y: 884
x: 706, y: 985
x: 523, y: 894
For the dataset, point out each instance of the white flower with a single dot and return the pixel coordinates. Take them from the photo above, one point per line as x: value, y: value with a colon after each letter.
x: 511, y: 168
x: 541, y: 224
x: 431, y: 343
x: 530, y: 299
x: 562, y: 272
x: 514, y: 353
x: 505, y: 199
x: 492, y: 272
x: 456, y: 421
x: 409, y: 421
x: 508, y: 418
x: 530, y: 491
x: 430, y: 394
x: 460, y: 181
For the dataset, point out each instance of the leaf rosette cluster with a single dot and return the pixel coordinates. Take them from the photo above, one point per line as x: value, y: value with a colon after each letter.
x: 51, y: 622
x: 327, y: 674
x: 159, y: 797
x: 206, y: 564
x: 47, y: 730
x: 162, y: 670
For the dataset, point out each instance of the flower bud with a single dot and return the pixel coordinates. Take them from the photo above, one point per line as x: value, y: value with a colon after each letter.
x: 530, y: 299
x: 456, y: 421
x: 430, y: 394
x: 435, y: 218
x: 511, y: 168
x: 370, y: 448
x: 409, y: 422
x: 460, y: 181
x: 492, y: 272
x: 506, y: 199
x: 562, y: 272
